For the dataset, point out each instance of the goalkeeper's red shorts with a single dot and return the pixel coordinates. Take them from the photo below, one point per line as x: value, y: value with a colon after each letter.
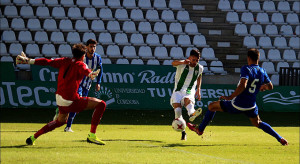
x: 77, y: 106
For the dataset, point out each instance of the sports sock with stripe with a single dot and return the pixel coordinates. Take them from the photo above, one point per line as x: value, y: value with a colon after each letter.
x: 207, y: 118
x: 70, y: 119
x: 268, y: 129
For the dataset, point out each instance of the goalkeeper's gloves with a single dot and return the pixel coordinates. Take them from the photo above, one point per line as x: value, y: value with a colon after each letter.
x: 22, y: 59
x: 93, y: 75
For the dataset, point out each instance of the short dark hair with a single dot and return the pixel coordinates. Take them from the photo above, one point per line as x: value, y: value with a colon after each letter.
x: 91, y: 41
x: 253, y: 54
x: 195, y: 52
x: 78, y: 50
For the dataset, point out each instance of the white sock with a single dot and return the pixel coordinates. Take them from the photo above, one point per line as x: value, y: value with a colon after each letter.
x: 178, y: 112
x: 190, y: 108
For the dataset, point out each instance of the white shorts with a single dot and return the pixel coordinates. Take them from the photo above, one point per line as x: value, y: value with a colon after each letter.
x: 60, y: 101
x: 178, y: 97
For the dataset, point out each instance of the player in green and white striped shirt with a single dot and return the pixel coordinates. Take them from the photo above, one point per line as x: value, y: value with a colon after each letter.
x: 188, y: 77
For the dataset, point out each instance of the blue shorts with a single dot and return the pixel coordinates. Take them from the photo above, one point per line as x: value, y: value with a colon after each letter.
x: 227, y: 107
x: 82, y: 92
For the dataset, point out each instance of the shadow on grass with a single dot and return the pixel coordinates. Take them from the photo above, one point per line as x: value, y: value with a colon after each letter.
x: 40, y: 147
x: 135, y: 140
x: 17, y: 131
x: 234, y: 145
x: 16, y: 146
x: 124, y: 140
x: 182, y: 145
x: 25, y: 146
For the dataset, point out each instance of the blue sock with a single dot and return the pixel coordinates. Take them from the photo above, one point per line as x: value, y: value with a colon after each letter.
x: 70, y: 119
x: 207, y: 118
x: 268, y: 129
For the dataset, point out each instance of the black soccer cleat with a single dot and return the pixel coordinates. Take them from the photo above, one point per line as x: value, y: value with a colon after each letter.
x: 30, y: 140
x: 183, y: 135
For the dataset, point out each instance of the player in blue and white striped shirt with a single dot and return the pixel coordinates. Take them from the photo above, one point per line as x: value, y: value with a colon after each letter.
x: 94, y: 62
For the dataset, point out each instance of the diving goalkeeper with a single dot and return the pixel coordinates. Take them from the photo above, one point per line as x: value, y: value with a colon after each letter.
x: 71, y: 72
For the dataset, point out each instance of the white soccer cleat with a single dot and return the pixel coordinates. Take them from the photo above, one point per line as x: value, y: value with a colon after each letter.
x: 68, y: 129
x: 195, y: 114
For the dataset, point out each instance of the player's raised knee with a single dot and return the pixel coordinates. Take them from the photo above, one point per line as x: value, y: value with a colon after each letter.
x: 212, y: 106
x: 62, y: 121
x: 256, y: 123
x: 103, y: 103
x: 62, y: 118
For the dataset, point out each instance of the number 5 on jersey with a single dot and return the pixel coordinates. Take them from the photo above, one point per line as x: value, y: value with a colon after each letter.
x: 253, y: 86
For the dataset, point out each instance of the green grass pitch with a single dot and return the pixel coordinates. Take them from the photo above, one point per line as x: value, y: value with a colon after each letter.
x: 148, y: 144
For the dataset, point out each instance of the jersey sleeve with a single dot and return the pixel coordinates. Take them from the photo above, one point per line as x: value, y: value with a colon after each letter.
x: 244, y: 72
x: 181, y: 66
x: 85, y: 69
x: 266, y: 77
x: 56, y: 63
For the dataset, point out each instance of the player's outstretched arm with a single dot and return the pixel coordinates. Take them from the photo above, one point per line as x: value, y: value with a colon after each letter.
x: 23, y: 59
x: 241, y: 87
x: 180, y: 62
x: 97, y: 86
x: 198, y: 91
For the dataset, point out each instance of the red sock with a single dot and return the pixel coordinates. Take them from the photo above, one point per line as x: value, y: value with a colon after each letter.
x: 97, y: 115
x: 49, y: 127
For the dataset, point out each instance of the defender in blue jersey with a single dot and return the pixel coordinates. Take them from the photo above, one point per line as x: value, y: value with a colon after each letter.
x: 94, y: 62
x: 243, y: 100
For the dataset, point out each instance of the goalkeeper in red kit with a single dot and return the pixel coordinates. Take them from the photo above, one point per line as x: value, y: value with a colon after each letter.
x: 71, y: 72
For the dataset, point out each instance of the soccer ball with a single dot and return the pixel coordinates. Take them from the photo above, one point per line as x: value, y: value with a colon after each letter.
x: 178, y: 124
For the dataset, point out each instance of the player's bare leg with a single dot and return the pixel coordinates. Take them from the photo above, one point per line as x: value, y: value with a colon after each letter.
x: 256, y: 121
x: 215, y: 106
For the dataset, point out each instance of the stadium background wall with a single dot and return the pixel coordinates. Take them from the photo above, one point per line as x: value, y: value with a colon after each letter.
x: 130, y: 87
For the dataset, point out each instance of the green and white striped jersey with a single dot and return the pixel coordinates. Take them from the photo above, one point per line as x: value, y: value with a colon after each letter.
x: 186, y: 78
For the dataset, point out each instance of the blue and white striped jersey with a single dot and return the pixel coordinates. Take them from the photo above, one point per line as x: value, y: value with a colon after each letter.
x: 93, y: 64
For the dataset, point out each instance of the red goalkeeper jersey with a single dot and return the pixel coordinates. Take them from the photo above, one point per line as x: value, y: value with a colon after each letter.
x: 70, y: 74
